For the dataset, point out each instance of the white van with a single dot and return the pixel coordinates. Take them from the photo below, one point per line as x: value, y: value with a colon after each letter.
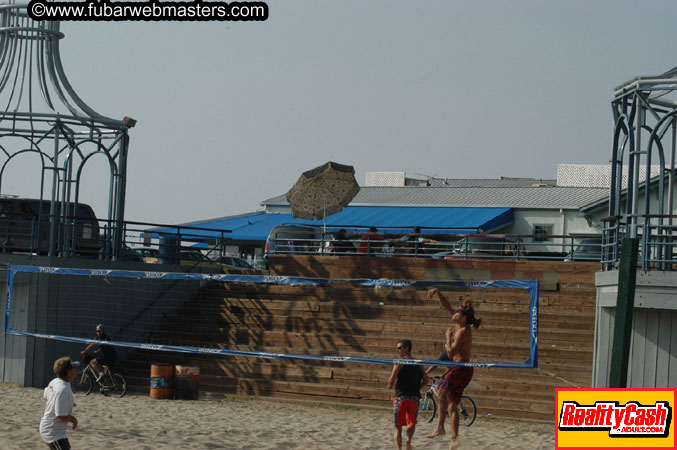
x: 296, y: 239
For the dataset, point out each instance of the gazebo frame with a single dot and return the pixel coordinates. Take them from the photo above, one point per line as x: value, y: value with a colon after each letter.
x: 41, y: 114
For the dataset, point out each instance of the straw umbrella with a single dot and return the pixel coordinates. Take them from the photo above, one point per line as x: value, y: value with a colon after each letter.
x: 323, y: 191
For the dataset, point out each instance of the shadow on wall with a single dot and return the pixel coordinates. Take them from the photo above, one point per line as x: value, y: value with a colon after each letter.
x: 277, y: 319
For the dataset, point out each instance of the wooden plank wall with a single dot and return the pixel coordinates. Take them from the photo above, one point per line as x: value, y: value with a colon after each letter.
x: 347, y: 320
x: 653, y: 352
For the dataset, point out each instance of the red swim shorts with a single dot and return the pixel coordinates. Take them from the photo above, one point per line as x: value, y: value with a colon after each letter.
x: 455, y: 381
x: 405, y: 410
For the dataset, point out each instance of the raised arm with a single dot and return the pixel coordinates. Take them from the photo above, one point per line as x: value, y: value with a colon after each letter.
x: 442, y: 299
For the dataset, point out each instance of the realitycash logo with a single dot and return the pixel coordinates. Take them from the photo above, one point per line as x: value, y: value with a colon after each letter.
x: 615, y: 418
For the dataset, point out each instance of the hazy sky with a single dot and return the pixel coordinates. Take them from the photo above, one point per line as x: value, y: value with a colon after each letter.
x: 231, y: 113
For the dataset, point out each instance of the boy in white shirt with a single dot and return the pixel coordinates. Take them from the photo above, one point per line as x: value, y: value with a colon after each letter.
x: 59, y: 408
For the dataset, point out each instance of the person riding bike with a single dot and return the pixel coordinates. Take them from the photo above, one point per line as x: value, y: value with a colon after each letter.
x: 104, y: 354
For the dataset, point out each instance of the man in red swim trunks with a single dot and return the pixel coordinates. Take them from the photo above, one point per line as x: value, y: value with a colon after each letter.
x: 458, y: 346
x: 407, y: 380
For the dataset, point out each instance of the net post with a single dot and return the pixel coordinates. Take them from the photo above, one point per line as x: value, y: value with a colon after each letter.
x: 533, y: 322
x: 627, y: 278
x: 8, y: 299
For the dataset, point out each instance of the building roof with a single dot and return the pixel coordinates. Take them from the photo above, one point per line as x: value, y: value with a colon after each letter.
x: 253, y: 226
x: 432, y: 219
x: 495, y: 197
x: 257, y: 226
x: 490, y: 182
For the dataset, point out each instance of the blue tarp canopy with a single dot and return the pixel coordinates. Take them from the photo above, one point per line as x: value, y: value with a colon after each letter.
x: 430, y: 219
x: 257, y: 226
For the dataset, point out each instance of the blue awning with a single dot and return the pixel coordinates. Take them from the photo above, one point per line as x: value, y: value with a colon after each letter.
x: 246, y: 227
x: 257, y: 226
x: 430, y: 219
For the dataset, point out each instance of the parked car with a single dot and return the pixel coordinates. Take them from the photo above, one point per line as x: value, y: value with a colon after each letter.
x: 130, y: 255
x: 25, y: 226
x: 484, y: 246
x: 295, y: 239
x: 192, y: 255
x: 149, y: 255
x: 589, y: 249
x: 234, y: 261
x: 195, y: 258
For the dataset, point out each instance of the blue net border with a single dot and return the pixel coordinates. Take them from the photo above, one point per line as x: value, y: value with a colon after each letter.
x: 531, y: 286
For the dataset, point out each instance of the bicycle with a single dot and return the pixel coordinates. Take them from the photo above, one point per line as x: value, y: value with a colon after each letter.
x: 467, y: 411
x: 110, y: 384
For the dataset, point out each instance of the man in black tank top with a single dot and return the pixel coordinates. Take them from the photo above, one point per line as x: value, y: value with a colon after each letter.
x: 407, y: 380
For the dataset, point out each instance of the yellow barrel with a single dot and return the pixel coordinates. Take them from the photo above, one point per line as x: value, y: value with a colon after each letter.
x: 187, y: 383
x: 161, y: 381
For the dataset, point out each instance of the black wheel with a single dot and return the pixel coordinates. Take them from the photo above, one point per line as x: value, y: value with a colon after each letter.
x: 467, y: 411
x: 427, y: 408
x: 82, y: 383
x: 119, y: 388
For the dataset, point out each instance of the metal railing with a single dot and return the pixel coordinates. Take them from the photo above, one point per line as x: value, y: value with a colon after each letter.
x: 208, y: 248
x: 657, y: 235
x: 93, y: 238
x: 432, y: 245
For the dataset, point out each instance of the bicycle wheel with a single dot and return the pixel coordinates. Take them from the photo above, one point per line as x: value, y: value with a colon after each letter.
x: 82, y: 383
x: 467, y: 411
x: 427, y: 408
x: 119, y: 388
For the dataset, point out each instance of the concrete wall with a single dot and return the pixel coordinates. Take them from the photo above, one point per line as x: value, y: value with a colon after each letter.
x: 45, y: 305
x: 653, y: 354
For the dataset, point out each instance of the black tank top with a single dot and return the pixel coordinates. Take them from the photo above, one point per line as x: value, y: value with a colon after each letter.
x: 409, y: 382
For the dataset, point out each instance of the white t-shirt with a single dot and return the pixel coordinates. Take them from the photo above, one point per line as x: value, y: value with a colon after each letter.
x: 60, y: 402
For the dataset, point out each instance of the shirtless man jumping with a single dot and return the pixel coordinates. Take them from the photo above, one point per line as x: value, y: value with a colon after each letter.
x: 458, y: 346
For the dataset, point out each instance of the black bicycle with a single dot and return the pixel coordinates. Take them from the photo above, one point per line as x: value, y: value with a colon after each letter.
x: 467, y: 411
x: 110, y: 384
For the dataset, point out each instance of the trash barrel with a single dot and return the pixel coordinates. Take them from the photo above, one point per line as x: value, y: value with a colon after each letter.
x: 186, y: 383
x: 161, y: 381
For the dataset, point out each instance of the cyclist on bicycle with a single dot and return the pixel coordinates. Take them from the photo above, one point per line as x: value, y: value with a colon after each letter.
x: 104, y: 354
x: 458, y: 346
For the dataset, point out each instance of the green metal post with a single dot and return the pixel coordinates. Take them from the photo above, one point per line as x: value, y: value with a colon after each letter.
x: 620, y: 352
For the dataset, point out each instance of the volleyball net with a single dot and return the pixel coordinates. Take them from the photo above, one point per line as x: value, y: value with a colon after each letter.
x: 272, y: 317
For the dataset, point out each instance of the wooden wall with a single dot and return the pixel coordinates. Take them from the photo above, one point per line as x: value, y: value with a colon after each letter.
x: 346, y: 320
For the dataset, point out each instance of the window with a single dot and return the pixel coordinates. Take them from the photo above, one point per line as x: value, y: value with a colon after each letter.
x: 542, y: 233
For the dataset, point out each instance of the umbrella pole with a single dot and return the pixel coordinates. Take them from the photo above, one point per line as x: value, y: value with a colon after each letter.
x: 324, y: 213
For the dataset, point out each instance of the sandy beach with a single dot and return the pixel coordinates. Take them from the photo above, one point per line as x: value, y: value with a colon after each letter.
x: 138, y: 422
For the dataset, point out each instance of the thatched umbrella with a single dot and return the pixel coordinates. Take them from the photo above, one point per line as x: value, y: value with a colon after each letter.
x: 323, y: 191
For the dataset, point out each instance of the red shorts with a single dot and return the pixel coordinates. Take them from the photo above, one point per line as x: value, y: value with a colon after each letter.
x: 455, y: 381
x: 405, y: 410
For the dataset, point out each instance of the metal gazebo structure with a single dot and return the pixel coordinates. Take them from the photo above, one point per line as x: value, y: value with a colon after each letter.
x: 645, y: 133
x: 41, y: 114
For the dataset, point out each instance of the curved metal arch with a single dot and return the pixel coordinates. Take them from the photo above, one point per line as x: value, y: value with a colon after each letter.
x: 106, y: 150
x: 35, y: 147
x: 616, y: 174
x: 647, y: 184
x: 112, y: 182
x: 42, y: 160
x: 665, y: 121
x: 4, y: 135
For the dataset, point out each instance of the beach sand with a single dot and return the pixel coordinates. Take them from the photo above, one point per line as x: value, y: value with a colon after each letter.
x: 138, y: 422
